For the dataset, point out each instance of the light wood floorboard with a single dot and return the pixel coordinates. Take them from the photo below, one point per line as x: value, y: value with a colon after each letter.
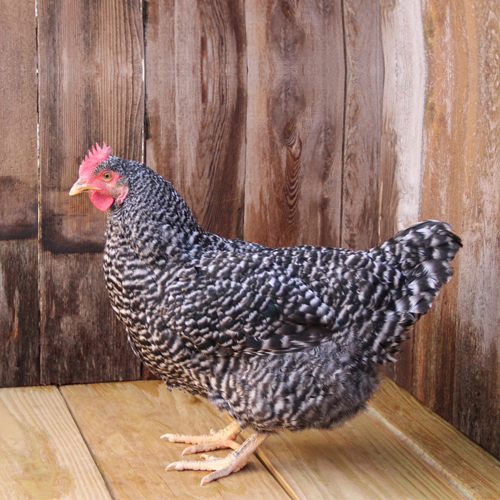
x: 102, y: 441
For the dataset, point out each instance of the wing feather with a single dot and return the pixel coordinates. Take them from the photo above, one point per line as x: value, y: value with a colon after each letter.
x: 231, y: 303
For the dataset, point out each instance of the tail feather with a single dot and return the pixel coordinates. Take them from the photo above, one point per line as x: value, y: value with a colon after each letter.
x: 423, y: 253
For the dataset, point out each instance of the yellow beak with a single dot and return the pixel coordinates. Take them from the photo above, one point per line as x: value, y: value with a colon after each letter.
x: 80, y: 186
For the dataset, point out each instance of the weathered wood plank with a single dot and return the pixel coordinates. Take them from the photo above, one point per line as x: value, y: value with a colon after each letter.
x: 362, y: 459
x: 402, y: 135
x: 42, y: 454
x: 362, y: 125
x: 473, y: 470
x: 18, y: 119
x: 435, y: 347
x: 403, y: 113
x: 160, y: 125
x: 19, y: 336
x: 123, y: 422
x: 196, y: 106
x: 457, y: 369
x: 81, y: 340
x: 296, y: 71
x: 91, y: 90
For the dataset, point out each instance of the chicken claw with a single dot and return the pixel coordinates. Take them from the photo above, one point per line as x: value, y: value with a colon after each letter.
x: 220, y: 440
x: 233, y: 462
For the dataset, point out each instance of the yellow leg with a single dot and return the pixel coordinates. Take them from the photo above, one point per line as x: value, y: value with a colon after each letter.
x: 233, y: 462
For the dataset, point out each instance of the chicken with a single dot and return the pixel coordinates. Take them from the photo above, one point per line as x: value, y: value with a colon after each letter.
x: 277, y: 338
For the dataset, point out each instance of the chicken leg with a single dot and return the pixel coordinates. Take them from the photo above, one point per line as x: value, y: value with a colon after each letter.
x: 233, y: 462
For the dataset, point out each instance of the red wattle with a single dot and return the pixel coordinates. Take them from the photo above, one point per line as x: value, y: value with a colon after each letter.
x: 101, y: 201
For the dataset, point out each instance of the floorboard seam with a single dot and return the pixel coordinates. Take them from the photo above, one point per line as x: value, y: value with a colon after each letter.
x: 260, y: 455
x: 87, y: 444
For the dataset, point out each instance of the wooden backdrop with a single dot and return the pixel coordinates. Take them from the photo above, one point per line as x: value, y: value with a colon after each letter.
x: 330, y: 122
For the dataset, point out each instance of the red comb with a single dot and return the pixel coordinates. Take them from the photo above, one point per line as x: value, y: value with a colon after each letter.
x: 94, y: 157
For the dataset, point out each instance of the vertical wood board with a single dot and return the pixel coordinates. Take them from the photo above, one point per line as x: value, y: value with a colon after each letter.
x: 19, y: 335
x: 196, y: 106
x: 402, y: 115
x: 296, y: 71
x: 82, y: 340
x: 18, y: 122
x: 457, y: 369
x: 91, y: 90
x: 362, y: 125
x: 402, y: 136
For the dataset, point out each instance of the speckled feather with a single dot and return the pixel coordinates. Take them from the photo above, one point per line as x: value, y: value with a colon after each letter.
x: 278, y: 338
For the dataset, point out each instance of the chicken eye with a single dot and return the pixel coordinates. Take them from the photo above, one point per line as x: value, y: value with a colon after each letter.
x: 106, y: 176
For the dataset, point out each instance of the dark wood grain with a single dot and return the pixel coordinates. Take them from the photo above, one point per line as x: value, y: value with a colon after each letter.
x: 81, y: 338
x: 18, y: 118
x: 363, y: 124
x: 457, y: 371
x: 91, y: 89
x: 19, y: 314
x: 196, y: 106
x: 296, y: 71
x: 160, y: 57
x: 19, y: 335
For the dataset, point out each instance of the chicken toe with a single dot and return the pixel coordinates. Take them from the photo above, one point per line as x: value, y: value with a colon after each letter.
x: 225, y: 438
x: 222, y: 467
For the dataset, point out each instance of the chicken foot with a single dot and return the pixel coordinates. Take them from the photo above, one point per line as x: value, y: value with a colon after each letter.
x: 233, y: 462
x: 220, y: 440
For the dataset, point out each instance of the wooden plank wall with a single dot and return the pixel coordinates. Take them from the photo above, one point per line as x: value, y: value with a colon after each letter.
x: 280, y: 121
x: 90, y: 89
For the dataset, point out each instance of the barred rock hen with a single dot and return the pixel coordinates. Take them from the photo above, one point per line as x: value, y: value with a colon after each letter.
x: 279, y: 338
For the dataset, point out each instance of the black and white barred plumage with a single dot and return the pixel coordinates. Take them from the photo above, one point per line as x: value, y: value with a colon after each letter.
x: 277, y: 338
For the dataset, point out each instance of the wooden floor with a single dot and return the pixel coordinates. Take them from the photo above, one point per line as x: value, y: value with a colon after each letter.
x: 101, y: 441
